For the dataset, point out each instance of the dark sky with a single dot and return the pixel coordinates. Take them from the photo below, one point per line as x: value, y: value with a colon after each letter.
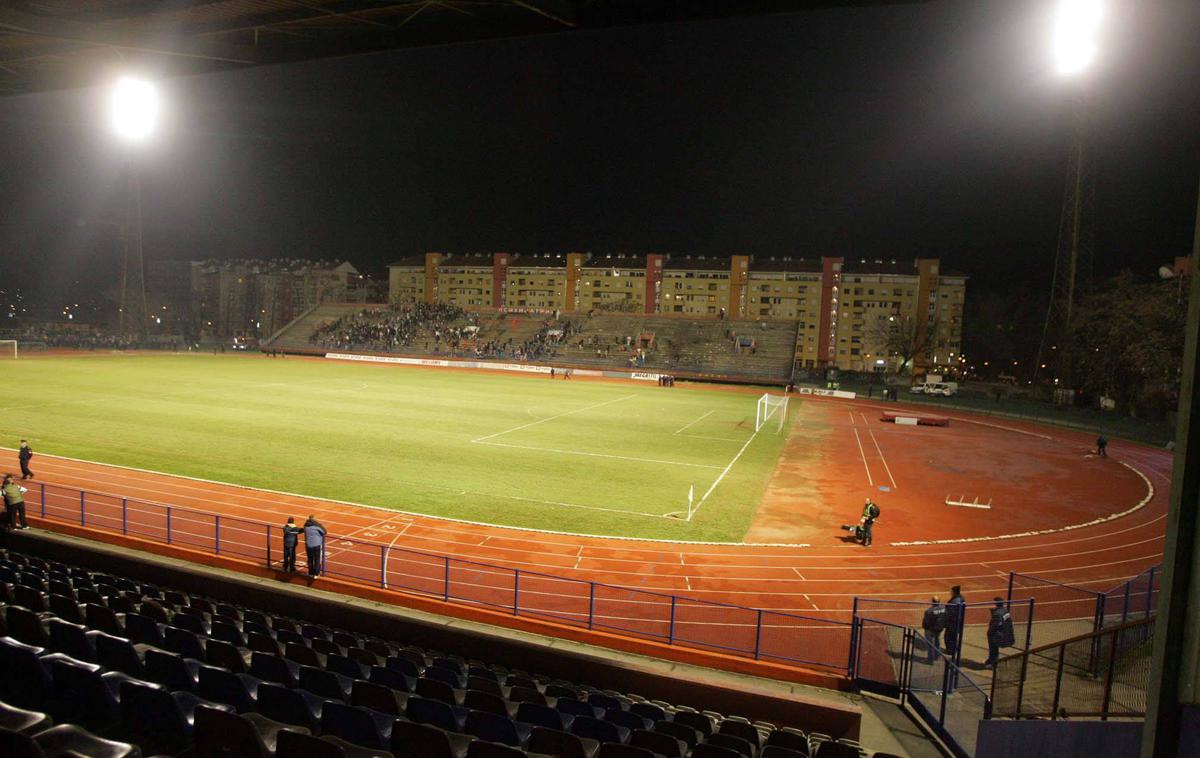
x: 935, y: 129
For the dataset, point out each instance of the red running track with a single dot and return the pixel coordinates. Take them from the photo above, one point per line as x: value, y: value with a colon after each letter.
x: 1043, y: 476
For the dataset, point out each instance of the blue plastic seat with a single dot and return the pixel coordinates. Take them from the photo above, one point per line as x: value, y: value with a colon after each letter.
x: 564, y: 744
x: 438, y: 690
x: 274, y: 668
x: 30, y: 598
x: 682, y: 732
x: 347, y: 639
x: 104, y: 619
x: 697, y: 721
x: 16, y: 719
x: 412, y: 739
x: 404, y: 666
x: 263, y: 643
x: 305, y: 656
x: 218, y: 733
x: 226, y: 656
x: 496, y: 728
x: 66, y: 608
x: 378, y: 697
x: 742, y: 729
x: 314, y: 632
x: 296, y: 745
x: 325, y: 683
x: 362, y: 726
x: 522, y: 694
x: 183, y: 641
x: 250, y: 626
x: 601, y: 731
x: 26, y: 683
x: 172, y: 670
x: 436, y: 713
x: 157, y: 720
x: 26, y: 626
x: 483, y: 684
x: 737, y: 744
x: 191, y: 622
x: 72, y: 639
x: 142, y: 629
x: 118, y: 653
x: 603, y: 701
x: 83, y: 694
x: 290, y: 706
x: 450, y: 664
x: 544, y: 716
x: 441, y: 674
x: 340, y: 664
x: 577, y: 708
x: 289, y: 637
x: 658, y: 742
x: 392, y: 678
x: 777, y: 751
x: 226, y: 632
x: 485, y: 701
x: 485, y: 749
x: 626, y: 719
x: 649, y: 711
x: 222, y: 686
x: 709, y: 750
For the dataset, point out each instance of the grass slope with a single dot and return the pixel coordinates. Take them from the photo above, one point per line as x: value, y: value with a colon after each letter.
x: 587, y: 457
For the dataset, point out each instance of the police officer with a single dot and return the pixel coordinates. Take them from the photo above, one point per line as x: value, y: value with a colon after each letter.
x: 291, y: 533
x: 1000, y: 632
x: 870, y: 515
x: 934, y: 622
x: 23, y: 456
x: 955, y: 614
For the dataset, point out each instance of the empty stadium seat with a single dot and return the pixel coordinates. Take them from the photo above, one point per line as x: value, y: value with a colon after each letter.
x: 159, y: 721
x: 361, y: 726
x: 227, y: 656
x: 227, y: 687
x: 24, y: 721
x: 435, y: 713
x: 412, y: 739
x: 564, y: 744
x: 72, y: 639
x: 544, y: 716
x: 26, y: 626
x: 627, y: 719
x: 290, y: 706
x: 377, y: 697
x: 656, y: 742
x: 172, y: 670
x: 737, y: 744
x: 325, y: 683
x: 391, y: 678
x: 776, y: 751
x: 296, y: 745
x: 497, y: 728
x: 682, y: 732
x: 219, y: 734
x: 119, y: 654
x: 63, y: 740
x: 83, y: 693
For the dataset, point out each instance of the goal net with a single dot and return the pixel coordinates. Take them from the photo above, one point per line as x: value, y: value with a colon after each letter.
x: 8, y: 349
x: 771, y: 409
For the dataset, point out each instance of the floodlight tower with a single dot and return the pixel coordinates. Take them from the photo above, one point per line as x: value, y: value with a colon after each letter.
x: 134, y: 111
x: 1075, y: 28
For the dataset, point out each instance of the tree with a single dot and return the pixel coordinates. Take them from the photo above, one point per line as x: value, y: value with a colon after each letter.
x: 903, y: 337
x: 1125, y: 342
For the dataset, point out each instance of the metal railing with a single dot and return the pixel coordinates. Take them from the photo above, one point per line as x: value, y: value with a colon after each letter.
x: 672, y: 619
x: 1101, y: 675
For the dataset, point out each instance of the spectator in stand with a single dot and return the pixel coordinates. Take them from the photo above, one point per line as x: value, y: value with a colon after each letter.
x: 14, y: 502
x: 314, y: 543
x: 291, y: 535
x: 25, y: 453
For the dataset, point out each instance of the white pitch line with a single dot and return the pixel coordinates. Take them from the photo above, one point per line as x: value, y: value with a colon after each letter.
x: 713, y: 486
x: 863, y: 455
x: 703, y: 437
x: 551, y: 418
x: 598, y: 455
x: 884, y: 460
x: 697, y: 421
x: 565, y: 505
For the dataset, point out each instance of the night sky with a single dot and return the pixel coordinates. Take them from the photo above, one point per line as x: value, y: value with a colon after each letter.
x: 935, y: 129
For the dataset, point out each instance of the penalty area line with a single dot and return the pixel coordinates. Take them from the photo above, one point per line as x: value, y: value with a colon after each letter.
x: 713, y: 486
x: 551, y: 418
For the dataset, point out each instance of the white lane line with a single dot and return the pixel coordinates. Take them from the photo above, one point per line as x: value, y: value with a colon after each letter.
x: 799, y: 574
x: 810, y: 602
x: 599, y: 455
x: 864, y: 418
x: 687, y: 580
x: 863, y: 455
x: 851, y: 414
x: 681, y: 559
x: 697, y: 421
x: 891, y: 478
x: 551, y: 418
x: 713, y: 486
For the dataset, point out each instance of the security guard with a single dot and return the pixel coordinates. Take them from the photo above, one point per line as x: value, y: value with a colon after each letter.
x: 934, y: 622
x: 1000, y: 632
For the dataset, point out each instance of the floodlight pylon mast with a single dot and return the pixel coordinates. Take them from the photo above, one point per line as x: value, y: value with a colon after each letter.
x: 1072, y: 274
x: 132, y: 306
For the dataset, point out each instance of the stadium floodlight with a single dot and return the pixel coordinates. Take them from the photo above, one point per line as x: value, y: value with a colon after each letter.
x: 134, y: 107
x: 1075, y: 27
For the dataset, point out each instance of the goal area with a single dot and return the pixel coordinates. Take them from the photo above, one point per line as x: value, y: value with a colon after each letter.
x: 8, y: 349
x: 771, y: 409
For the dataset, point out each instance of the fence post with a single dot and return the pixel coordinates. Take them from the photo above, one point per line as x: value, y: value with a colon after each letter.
x: 168, y: 525
x: 516, y: 590
x: 1062, y: 653
x: 758, y: 636
x: 947, y: 674
x: 1125, y: 605
x: 1108, y: 676
x: 124, y: 515
x: 82, y: 518
x: 1150, y: 592
x: 1029, y: 626
x: 217, y: 534
x: 1011, y: 575
x: 1020, y: 684
x: 446, y: 587
x: 268, y: 546
x: 383, y: 556
x: 671, y: 626
x: 591, y: 603
x: 851, y: 668
x: 43, y: 500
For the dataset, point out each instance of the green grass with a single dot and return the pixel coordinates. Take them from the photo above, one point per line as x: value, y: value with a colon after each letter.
x: 578, y: 456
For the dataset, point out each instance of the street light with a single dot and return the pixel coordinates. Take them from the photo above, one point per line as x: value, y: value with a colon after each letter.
x: 1075, y: 28
x: 134, y: 108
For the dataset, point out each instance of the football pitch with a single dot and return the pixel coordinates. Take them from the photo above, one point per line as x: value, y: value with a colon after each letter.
x: 601, y: 458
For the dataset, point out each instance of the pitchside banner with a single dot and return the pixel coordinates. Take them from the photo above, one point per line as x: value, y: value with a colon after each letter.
x: 521, y: 367
x: 824, y: 392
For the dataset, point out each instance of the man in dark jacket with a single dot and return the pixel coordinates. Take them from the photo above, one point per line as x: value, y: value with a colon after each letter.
x: 954, y: 619
x: 24, y: 455
x: 934, y: 622
x: 1000, y: 632
x: 291, y: 534
x: 314, y: 543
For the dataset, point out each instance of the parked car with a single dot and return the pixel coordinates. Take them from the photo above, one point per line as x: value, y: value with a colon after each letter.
x: 940, y: 388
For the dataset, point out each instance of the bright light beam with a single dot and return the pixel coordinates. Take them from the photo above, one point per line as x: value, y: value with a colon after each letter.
x: 134, y: 108
x: 1075, y: 28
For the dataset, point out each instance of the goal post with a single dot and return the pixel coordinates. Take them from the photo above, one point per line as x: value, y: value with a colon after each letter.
x: 770, y: 408
x: 8, y: 349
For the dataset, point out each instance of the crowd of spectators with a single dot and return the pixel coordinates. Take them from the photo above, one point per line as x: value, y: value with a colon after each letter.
x: 543, y: 345
x: 62, y: 335
x: 432, y: 327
